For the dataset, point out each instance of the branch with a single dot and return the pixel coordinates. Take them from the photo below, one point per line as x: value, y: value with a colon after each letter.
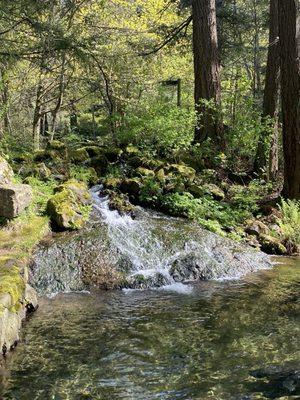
x: 170, y: 36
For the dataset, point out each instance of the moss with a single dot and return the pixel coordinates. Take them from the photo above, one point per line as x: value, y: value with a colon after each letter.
x: 145, y: 172
x: 69, y: 207
x: 56, y: 145
x: 79, y: 155
x: 11, y: 282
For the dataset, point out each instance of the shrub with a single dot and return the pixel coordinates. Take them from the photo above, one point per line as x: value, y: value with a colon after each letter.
x: 290, y: 222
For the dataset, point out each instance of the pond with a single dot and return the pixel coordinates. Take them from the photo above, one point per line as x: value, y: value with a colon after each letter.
x: 230, y: 339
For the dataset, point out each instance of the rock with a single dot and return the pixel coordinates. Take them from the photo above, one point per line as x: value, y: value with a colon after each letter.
x: 120, y: 202
x: 145, y: 172
x: 6, y: 172
x: 214, y: 191
x: 14, y: 198
x: 161, y: 175
x: 78, y: 155
x: 257, y: 228
x: 112, y: 182
x: 56, y: 145
x: 271, y: 245
x: 69, y: 207
x: 131, y: 186
x: 30, y: 298
x: 207, y: 189
x: 183, y: 170
x: 41, y: 171
x: 100, y: 164
x: 132, y: 150
x: 93, y: 151
x: 78, y: 188
x: 113, y: 154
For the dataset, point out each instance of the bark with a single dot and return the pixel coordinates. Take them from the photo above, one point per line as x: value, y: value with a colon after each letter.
x: 5, y: 103
x: 207, y: 72
x: 271, y: 94
x: 37, y: 116
x: 289, y: 33
x: 61, y: 90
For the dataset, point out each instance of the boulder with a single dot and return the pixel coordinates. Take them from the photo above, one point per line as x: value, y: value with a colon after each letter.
x: 6, y: 172
x: 257, y: 228
x: 14, y: 198
x: 145, y: 172
x: 56, y: 145
x: 113, y: 154
x: 69, y: 207
x: 271, y: 245
x: 41, y: 171
x: 183, y: 170
x: 78, y: 155
x: 131, y: 186
x: 100, y: 164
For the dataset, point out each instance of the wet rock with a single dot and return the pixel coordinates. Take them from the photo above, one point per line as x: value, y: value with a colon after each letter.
x: 120, y: 202
x: 14, y: 199
x: 6, y: 172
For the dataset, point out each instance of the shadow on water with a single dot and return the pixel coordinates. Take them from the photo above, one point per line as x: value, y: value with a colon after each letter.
x: 224, y: 340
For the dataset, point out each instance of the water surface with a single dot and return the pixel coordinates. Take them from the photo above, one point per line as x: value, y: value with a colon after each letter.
x: 156, y: 344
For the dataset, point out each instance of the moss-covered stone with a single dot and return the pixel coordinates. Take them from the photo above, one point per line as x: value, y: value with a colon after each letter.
x: 69, y: 207
x: 100, y: 164
x: 93, y: 150
x: 12, y: 283
x: 6, y: 172
x: 78, y: 155
x: 112, y: 182
x: 131, y: 186
x: 56, y: 145
x: 271, y: 245
x: 41, y: 171
x: 113, y: 154
x: 183, y: 170
x: 120, y: 202
x: 145, y: 172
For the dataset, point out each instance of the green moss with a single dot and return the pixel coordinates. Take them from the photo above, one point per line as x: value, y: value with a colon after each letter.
x: 79, y: 155
x: 11, y: 282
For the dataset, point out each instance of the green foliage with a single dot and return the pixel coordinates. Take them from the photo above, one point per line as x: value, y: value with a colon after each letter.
x: 160, y: 128
x: 290, y: 222
x: 150, y: 191
x: 42, y: 191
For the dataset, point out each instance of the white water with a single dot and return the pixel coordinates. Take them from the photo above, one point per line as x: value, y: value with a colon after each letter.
x: 134, y: 238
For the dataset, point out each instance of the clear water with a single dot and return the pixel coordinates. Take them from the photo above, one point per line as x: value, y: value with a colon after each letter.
x: 162, y: 344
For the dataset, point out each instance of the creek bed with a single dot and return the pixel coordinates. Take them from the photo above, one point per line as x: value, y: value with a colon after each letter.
x: 212, y: 342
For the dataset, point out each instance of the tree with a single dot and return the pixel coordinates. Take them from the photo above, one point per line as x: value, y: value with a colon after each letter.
x: 289, y: 34
x: 207, y: 72
x: 270, y: 100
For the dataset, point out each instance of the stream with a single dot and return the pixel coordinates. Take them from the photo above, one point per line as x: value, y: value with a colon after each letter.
x: 199, y: 317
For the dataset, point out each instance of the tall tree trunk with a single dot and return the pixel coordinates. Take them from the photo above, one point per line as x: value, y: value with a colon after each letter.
x: 37, y: 115
x: 61, y: 89
x: 289, y: 33
x: 271, y: 94
x: 5, y: 102
x: 207, y: 73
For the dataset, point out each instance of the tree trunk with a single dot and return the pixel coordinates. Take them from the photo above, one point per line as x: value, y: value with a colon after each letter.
x: 289, y: 33
x: 61, y: 89
x: 37, y: 116
x: 5, y: 103
x: 271, y: 93
x: 207, y: 73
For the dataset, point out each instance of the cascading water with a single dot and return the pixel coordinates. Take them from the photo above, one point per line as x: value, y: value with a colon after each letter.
x: 149, y: 251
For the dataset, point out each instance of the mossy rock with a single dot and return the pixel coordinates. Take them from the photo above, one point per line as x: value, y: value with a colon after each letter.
x: 80, y: 189
x: 12, y: 283
x: 132, y: 150
x: 93, y: 151
x: 160, y: 175
x: 78, y: 155
x: 184, y: 171
x: 100, y: 164
x: 56, y: 145
x: 6, y: 172
x: 41, y: 171
x: 112, y: 182
x: 145, y: 172
x: 131, y: 186
x: 120, y: 202
x: 69, y: 207
x: 113, y: 154
x: 214, y: 191
x: 271, y: 245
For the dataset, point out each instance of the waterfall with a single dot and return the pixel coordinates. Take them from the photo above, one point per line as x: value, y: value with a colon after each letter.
x: 151, y: 250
